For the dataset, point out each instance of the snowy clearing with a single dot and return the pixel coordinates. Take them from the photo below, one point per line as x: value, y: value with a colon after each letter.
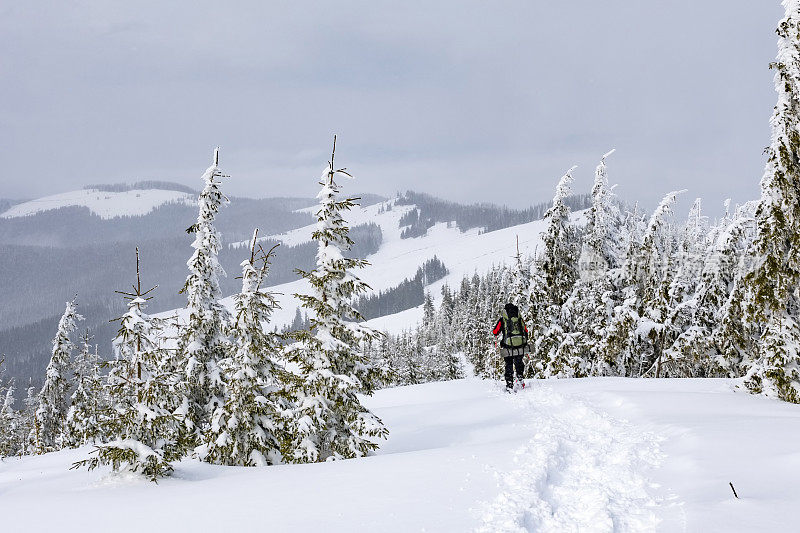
x: 601, y: 454
x: 104, y: 204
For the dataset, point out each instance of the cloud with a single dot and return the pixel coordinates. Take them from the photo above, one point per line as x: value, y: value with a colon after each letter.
x: 469, y: 100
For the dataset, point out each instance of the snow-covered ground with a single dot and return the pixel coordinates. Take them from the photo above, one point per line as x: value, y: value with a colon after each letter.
x: 600, y: 454
x: 104, y: 204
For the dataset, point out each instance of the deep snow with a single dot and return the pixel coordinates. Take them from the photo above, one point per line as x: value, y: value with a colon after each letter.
x: 600, y: 454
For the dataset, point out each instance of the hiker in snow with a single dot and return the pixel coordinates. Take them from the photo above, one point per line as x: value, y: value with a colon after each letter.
x: 514, y: 343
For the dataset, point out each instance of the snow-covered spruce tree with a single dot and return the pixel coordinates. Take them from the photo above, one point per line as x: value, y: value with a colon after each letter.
x: 586, y: 314
x: 602, y: 241
x: 331, y: 422
x: 84, y: 418
x: 653, y: 275
x: 635, y: 337
x: 538, y: 302
x: 53, y: 398
x: 520, y: 282
x: 203, y: 341
x: 773, y: 283
x: 444, y: 318
x: 381, y: 354
x: 735, y: 334
x: 621, y: 300
x: 679, y: 286
x: 140, y: 432
x: 440, y: 358
x: 428, y: 316
x: 559, y: 272
x: 250, y: 427
x: 614, y: 353
x: 407, y: 359
x: 461, y: 317
x: 27, y: 427
x: 10, y: 443
x: 476, y: 331
x: 559, y: 257
x: 443, y: 363
x: 703, y: 349
x: 585, y: 317
x: 690, y: 257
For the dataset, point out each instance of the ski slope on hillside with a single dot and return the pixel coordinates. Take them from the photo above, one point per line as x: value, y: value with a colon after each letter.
x: 463, y: 253
x: 104, y: 204
x: 597, y: 455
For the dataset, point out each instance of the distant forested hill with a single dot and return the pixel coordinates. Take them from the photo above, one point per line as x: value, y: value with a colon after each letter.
x: 53, y: 256
x: 6, y: 203
x: 430, y: 210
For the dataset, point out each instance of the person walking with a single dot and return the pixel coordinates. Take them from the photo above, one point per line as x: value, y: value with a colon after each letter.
x: 513, y: 344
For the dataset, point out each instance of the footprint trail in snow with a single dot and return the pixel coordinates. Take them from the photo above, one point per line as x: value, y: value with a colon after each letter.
x: 582, y: 471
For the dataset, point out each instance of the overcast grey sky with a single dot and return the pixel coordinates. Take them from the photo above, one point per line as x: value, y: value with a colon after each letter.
x: 471, y: 101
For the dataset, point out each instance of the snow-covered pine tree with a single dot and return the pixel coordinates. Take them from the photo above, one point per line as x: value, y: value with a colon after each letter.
x: 621, y: 300
x: 9, y: 421
x: 634, y: 339
x: 585, y: 318
x: 250, y: 428
x: 558, y: 266
x: 690, y: 257
x: 586, y: 314
x: 734, y: 333
x: 428, y: 314
x: 84, y: 418
x: 475, y: 329
x: 773, y: 283
x: 520, y: 282
x: 27, y: 427
x: 381, y: 355
x: 678, y: 288
x: 440, y: 358
x: 203, y: 342
x: 407, y: 360
x: 331, y: 422
x: 538, y: 302
x: 460, y: 316
x: 653, y: 275
x: 559, y: 259
x: 140, y: 431
x: 602, y: 242
x: 703, y: 349
x: 51, y: 413
x: 614, y: 354
x: 444, y: 318
x: 444, y: 362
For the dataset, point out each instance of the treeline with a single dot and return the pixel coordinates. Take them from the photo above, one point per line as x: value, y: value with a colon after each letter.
x: 142, y: 185
x: 430, y: 210
x: 218, y: 384
x: 7, y: 203
x: 408, y: 294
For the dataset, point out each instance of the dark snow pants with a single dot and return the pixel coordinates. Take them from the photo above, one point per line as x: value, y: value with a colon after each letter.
x: 513, y: 362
